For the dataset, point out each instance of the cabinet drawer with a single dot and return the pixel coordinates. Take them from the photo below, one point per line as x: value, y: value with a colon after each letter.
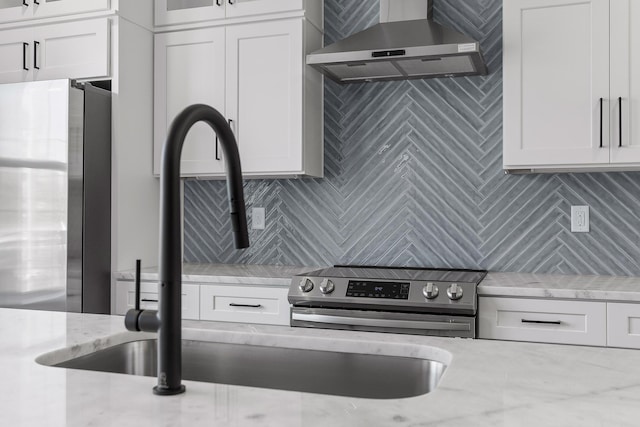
x: 552, y: 321
x: 248, y: 304
x: 623, y: 325
x: 126, y: 297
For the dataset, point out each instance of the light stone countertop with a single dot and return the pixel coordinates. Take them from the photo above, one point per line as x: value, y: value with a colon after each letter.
x: 271, y: 275
x: 524, y: 285
x: 487, y: 383
x: 605, y: 288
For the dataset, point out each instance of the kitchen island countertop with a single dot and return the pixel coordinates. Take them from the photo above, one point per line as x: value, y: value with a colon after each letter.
x: 487, y: 383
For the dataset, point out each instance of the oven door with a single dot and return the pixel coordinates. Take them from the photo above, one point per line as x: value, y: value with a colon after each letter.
x: 384, y: 321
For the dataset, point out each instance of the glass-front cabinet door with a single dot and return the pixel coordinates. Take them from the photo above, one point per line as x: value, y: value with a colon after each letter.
x: 169, y: 12
x: 260, y: 7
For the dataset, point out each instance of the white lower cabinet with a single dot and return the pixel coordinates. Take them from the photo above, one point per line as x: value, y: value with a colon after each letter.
x: 217, y: 302
x: 539, y: 320
x: 126, y: 297
x: 623, y: 325
x: 246, y: 304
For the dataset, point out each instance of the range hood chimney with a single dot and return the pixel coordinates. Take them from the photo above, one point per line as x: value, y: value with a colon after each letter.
x: 406, y: 44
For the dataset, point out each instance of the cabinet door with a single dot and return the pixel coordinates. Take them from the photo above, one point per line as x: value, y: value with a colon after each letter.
x: 71, y: 50
x: 623, y: 325
x: 264, y: 96
x: 15, y: 10
x: 259, y: 7
x: 47, y: 8
x: 180, y: 11
x: 625, y: 81
x: 189, y: 69
x: 16, y: 55
x: 556, y: 70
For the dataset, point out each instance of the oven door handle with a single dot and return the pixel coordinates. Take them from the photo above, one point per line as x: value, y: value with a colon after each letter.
x: 381, y: 323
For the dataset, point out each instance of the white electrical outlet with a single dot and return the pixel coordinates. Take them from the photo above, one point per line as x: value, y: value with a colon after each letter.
x: 579, y: 219
x: 257, y: 219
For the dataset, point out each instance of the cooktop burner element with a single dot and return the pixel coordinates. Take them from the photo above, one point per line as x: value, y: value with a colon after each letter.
x: 388, y: 299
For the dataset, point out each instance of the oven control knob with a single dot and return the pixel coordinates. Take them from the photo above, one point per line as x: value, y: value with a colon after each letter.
x: 326, y: 286
x: 454, y: 292
x: 306, y: 284
x: 430, y: 290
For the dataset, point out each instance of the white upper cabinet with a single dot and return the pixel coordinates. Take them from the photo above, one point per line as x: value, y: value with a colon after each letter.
x: 183, y: 11
x: 625, y: 81
x: 556, y: 71
x: 265, y: 94
x: 15, y: 55
x: 254, y: 73
x: 180, y: 11
x: 190, y: 69
x: 16, y: 10
x: 71, y: 50
x: 569, y: 69
x: 258, y: 7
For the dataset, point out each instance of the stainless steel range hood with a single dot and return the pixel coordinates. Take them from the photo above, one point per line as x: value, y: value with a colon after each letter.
x: 401, y: 47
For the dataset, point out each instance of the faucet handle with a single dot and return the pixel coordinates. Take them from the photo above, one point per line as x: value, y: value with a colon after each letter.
x: 137, y: 303
x: 141, y: 320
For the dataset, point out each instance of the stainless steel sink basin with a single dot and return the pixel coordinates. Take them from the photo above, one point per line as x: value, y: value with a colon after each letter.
x: 312, y: 371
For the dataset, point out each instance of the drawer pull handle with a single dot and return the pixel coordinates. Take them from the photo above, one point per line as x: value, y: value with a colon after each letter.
x: 148, y: 300
x: 543, y: 322
x: 233, y: 304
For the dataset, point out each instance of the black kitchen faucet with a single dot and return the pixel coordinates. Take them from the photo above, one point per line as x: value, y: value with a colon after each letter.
x: 167, y: 319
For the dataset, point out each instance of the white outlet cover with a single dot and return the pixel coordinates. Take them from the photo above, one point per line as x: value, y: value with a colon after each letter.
x: 257, y: 218
x: 579, y: 219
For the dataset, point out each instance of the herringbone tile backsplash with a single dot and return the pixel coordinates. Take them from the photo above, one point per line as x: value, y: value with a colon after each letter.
x: 413, y: 177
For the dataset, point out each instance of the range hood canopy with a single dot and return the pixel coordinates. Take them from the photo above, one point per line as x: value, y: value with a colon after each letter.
x: 401, y: 47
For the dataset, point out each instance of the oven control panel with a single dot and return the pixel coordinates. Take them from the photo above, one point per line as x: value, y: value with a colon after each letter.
x: 384, y: 294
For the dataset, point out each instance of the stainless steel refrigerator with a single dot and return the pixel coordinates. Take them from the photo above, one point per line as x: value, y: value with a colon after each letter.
x: 55, y: 196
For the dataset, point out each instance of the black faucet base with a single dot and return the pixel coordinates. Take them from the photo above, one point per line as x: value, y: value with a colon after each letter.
x: 166, y: 391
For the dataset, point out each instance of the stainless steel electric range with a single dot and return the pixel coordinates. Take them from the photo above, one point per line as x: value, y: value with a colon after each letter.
x: 387, y: 299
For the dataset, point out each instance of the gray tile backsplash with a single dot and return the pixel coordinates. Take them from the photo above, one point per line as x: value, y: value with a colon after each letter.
x: 413, y: 176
